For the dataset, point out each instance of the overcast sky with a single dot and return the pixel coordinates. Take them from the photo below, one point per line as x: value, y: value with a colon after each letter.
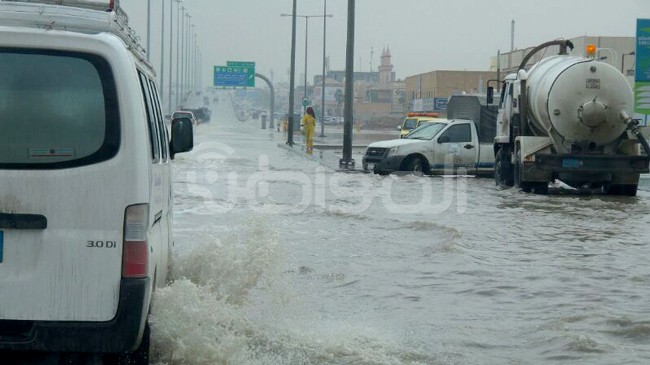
x: 423, y: 35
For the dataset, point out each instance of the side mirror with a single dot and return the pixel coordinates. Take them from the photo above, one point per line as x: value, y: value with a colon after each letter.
x: 182, y: 136
x: 444, y: 139
x: 490, y: 95
x: 399, y: 127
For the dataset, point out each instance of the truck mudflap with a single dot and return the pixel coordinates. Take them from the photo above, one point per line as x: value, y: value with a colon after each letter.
x: 119, y: 335
x: 591, y: 163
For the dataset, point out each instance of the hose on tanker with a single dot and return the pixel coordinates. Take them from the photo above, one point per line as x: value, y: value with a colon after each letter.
x: 634, y: 127
x: 564, y: 44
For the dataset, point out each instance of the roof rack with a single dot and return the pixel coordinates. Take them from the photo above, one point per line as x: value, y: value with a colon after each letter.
x: 104, y: 5
x: 84, y: 16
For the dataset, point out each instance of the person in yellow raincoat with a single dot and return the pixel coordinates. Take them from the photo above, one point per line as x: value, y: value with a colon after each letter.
x: 309, y: 128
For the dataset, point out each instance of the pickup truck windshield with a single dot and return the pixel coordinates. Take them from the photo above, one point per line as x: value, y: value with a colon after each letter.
x: 427, y: 131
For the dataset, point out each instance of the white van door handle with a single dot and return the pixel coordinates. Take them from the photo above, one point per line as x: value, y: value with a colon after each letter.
x: 469, y: 146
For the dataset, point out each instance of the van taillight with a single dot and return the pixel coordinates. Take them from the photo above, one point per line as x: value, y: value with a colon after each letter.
x: 136, y: 250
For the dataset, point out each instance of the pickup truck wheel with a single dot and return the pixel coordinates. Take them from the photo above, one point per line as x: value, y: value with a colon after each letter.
x: 138, y: 357
x: 415, y: 165
x: 623, y: 189
x: 540, y: 188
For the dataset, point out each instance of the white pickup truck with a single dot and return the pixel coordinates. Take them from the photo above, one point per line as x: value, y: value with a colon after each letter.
x: 439, y: 147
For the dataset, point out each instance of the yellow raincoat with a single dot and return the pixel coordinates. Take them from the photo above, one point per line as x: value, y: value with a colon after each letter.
x: 309, y: 128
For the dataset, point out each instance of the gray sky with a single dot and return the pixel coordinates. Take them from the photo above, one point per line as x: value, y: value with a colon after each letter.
x: 423, y: 35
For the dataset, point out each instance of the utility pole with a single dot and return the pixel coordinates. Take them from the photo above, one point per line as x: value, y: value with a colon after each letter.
x: 347, y: 162
x: 148, y: 29
x: 171, y: 43
x: 322, y: 105
x: 292, y: 78
x: 162, y: 51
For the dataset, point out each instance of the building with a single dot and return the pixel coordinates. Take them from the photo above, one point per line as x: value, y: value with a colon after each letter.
x: 376, y: 93
x: 430, y: 91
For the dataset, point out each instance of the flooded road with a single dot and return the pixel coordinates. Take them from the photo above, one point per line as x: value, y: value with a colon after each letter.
x: 280, y: 259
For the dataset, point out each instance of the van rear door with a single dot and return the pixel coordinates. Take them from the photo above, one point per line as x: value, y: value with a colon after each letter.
x: 62, y: 196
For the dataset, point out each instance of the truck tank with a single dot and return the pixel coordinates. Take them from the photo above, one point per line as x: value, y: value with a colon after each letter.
x: 581, y: 99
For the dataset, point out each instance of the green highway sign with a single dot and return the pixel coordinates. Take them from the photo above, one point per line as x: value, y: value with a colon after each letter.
x: 235, y: 74
x: 240, y: 64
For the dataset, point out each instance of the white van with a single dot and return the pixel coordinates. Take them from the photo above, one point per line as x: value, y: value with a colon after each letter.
x: 85, y: 182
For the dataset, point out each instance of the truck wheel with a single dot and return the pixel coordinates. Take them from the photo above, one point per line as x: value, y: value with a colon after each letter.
x: 623, y: 189
x: 502, y: 169
x: 415, y: 165
x: 525, y: 186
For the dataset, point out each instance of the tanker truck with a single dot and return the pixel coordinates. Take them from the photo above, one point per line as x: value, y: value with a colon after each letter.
x: 568, y: 118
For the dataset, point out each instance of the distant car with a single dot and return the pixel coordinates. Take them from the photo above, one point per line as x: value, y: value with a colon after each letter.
x: 185, y: 114
x: 414, y: 120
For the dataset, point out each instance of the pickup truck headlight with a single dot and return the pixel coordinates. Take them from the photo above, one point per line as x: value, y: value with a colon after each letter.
x: 392, y: 151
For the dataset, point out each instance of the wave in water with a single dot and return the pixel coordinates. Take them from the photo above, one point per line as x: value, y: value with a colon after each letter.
x: 231, y: 303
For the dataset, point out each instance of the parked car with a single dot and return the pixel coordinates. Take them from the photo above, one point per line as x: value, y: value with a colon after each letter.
x: 85, y: 184
x: 414, y: 120
x: 185, y: 114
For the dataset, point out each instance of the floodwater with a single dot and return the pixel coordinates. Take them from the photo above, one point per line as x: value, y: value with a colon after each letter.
x: 280, y: 259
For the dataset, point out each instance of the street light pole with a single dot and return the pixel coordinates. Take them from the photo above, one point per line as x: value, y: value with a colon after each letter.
x: 347, y: 162
x: 292, y: 76
x: 171, y: 43
x: 304, y: 95
x: 148, y: 29
x: 306, y: 44
x: 322, y: 105
x: 162, y: 50
x: 179, y: 45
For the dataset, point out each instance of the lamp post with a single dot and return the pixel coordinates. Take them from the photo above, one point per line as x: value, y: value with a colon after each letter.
x: 322, y: 105
x: 171, y: 43
x: 306, y: 44
x: 623, y: 60
x: 162, y: 51
x: 179, y: 45
x: 148, y: 29
x: 292, y: 74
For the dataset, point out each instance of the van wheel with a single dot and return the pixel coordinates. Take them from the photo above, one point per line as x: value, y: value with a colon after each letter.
x: 138, y: 357
x: 141, y: 355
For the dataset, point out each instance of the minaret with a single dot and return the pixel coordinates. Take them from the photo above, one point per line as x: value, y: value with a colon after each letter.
x: 385, y: 68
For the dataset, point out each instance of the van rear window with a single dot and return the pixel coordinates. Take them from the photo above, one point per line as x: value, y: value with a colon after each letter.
x: 57, y: 110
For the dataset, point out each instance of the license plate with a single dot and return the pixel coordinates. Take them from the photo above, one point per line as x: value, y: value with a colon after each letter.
x: 571, y: 163
x: 2, y: 238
